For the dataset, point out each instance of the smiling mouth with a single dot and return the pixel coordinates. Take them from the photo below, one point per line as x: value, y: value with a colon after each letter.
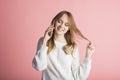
x: 60, y: 29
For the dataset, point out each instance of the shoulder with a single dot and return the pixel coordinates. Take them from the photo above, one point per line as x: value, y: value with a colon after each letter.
x: 40, y: 39
x: 40, y: 42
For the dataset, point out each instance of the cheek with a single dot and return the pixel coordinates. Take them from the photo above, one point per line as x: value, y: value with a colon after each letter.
x: 67, y: 28
x: 56, y: 24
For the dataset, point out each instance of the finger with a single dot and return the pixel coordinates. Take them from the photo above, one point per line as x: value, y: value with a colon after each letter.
x: 91, y: 48
x: 50, y: 28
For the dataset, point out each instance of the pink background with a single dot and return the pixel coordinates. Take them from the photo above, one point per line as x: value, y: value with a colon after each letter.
x: 23, y: 22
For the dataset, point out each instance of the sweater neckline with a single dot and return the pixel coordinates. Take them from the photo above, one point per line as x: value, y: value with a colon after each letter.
x: 60, y: 43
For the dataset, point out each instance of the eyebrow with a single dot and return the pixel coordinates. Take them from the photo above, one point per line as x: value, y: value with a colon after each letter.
x: 62, y: 21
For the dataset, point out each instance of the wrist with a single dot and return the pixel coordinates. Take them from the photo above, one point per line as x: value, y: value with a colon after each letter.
x: 45, y: 42
x: 88, y: 57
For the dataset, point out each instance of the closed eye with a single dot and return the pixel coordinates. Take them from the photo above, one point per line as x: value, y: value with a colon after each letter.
x: 67, y: 24
x: 59, y: 21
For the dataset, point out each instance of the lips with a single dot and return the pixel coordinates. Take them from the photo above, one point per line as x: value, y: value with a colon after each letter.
x: 60, y: 29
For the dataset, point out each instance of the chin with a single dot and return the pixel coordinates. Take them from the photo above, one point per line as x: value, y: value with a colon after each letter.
x: 60, y: 33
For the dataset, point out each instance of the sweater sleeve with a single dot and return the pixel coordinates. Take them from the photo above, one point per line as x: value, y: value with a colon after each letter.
x: 40, y: 59
x: 80, y: 70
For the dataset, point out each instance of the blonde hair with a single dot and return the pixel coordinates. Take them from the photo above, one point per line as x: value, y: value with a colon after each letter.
x: 69, y: 35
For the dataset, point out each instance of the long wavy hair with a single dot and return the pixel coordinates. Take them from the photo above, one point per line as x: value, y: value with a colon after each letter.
x: 69, y: 35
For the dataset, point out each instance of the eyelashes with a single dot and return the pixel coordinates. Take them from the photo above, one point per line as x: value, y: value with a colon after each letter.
x: 61, y: 22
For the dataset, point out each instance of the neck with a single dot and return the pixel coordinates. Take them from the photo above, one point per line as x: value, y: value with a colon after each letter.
x: 59, y: 38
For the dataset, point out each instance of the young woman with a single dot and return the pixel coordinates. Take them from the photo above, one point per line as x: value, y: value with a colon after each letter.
x: 57, y: 55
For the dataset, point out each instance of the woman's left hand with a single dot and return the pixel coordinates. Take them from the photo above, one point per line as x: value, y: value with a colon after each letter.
x: 90, y: 49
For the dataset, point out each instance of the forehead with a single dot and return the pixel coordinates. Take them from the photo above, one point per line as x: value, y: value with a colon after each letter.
x: 65, y: 18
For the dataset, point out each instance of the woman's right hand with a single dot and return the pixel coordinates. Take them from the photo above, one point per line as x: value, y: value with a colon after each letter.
x: 90, y: 50
x: 48, y: 34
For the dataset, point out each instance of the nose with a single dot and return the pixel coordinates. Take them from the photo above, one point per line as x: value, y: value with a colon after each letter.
x: 62, y: 25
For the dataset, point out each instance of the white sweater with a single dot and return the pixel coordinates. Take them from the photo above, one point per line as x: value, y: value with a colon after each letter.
x: 60, y: 66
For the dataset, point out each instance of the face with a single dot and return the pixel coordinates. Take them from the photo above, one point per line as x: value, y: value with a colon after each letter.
x: 62, y: 25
